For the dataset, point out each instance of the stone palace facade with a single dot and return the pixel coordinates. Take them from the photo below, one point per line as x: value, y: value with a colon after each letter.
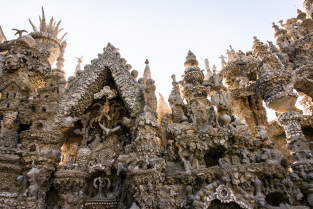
x: 101, y: 139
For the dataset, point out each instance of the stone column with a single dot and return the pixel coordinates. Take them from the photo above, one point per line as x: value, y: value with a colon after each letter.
x: 296, y: 141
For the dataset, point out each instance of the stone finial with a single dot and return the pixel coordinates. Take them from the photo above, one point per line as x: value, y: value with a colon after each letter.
x: 191, y: 60
x: 26, y: 39
x: 124, y: 61
x: 192, y: 73
x: 190, y: 55
x: 214, y: 68
x: 223, y: 62
x: 272, y: 47
x: 173, y: 78
x: 208, y: 70
x: 276, y: 27
x: 301, y: 15
x: 78, y: 67
x: 128, y: 66
x: 231, y: 54
x: 147, y: 72
x: 134, y: 73
x: 259, y: 48
x: 110, y: 47
x: 208, y: 73
x: 19, y: 32
x: 256, y: 40
x: 207, y: 65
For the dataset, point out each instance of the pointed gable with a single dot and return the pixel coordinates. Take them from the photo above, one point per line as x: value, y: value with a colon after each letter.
x: 79, y: 94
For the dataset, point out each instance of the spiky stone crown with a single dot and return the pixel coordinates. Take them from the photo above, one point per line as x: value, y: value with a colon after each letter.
x: 51, y: 28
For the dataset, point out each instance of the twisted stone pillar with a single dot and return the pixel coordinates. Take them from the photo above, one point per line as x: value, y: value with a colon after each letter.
x: 296, y: 141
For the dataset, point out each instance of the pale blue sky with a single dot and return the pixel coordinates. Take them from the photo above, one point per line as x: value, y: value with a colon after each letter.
x: 161, y: 31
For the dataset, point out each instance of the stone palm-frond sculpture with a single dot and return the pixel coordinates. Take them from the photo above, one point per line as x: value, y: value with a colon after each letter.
x: 51, y: 28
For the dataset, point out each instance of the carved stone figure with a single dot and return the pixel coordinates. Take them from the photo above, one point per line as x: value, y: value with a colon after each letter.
x: 34, y: 193
x: 223, y: 61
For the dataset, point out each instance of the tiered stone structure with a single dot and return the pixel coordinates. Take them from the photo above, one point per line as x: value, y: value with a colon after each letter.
x: 101, y: 140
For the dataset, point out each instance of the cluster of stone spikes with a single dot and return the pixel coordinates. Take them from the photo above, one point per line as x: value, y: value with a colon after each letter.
x: 52, y: 27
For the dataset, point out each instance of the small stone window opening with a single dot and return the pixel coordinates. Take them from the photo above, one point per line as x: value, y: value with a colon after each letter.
x: 275, y: 199
x: 212, y: 157
x: 40, y: 126
x: 32, y: 148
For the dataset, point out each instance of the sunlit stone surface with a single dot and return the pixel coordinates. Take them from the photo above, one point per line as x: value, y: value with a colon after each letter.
x: 100, y: 139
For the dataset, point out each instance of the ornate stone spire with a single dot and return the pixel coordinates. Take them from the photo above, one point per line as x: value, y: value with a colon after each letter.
x: 193, y: 73
x: 147, y: 72
x: 191, y: 60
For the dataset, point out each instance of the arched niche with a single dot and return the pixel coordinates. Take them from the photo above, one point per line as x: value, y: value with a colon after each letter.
x: 217, y: 204
x: 100, y: 129
x: 275, y: 199
x: 217, y: 192
x: 212, y: 157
